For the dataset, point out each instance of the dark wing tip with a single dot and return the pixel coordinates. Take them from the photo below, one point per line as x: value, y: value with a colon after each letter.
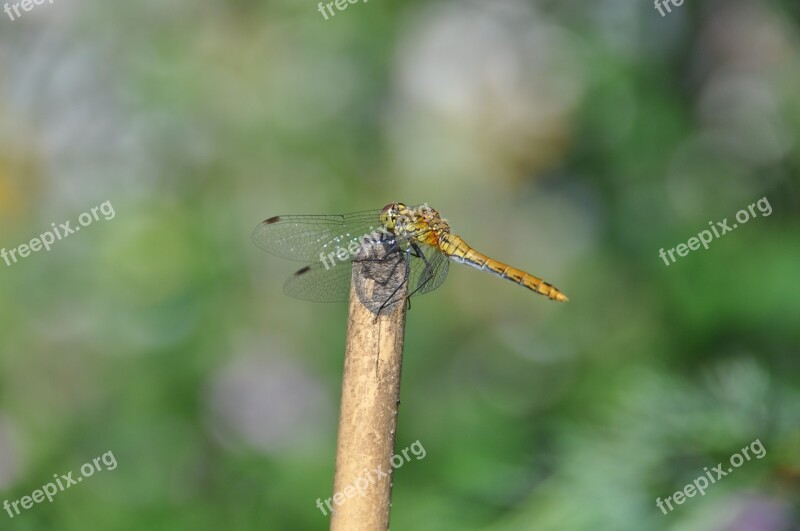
x: 273, y: 219
x: 301, y: 271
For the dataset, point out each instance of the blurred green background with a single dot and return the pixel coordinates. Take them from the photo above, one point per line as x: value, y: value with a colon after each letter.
x: 572, y: 139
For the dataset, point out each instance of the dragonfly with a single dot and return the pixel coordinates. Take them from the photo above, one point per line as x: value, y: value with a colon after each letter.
x: 416, y: 238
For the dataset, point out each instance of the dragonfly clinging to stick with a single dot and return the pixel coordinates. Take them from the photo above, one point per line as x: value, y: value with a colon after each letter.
x: 418, y: 236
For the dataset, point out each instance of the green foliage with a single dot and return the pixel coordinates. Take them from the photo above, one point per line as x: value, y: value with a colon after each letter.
x: 570, y: 139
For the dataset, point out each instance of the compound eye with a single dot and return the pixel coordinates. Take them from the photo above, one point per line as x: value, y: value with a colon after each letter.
x: 388, y: 208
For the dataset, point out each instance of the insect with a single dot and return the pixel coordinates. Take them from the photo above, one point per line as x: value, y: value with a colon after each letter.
x: 417, y: 238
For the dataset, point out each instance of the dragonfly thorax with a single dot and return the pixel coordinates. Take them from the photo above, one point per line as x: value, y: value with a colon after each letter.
x: 421, y: 222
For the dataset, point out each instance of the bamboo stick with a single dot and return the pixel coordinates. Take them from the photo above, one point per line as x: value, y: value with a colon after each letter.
x: 370, y: 395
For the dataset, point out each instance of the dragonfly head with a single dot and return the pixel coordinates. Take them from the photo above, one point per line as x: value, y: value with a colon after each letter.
x: 390, y: 213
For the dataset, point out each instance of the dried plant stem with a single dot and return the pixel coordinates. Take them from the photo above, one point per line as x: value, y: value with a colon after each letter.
x: 370, y: 398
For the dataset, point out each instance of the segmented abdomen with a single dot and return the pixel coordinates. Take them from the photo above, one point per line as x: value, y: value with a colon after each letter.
x: 459, y: 251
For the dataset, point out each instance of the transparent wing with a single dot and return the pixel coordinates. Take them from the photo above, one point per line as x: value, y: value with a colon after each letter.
x: 428, y: 274
x: 303, y: 238
x: 318, y: 284
x: 329, y: 281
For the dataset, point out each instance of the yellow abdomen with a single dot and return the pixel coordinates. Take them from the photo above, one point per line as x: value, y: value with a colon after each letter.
x: 459, y: 251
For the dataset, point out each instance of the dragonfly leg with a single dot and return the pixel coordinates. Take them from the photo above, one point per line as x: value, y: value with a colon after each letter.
x: 400, y: 285
x: 428, y: 269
